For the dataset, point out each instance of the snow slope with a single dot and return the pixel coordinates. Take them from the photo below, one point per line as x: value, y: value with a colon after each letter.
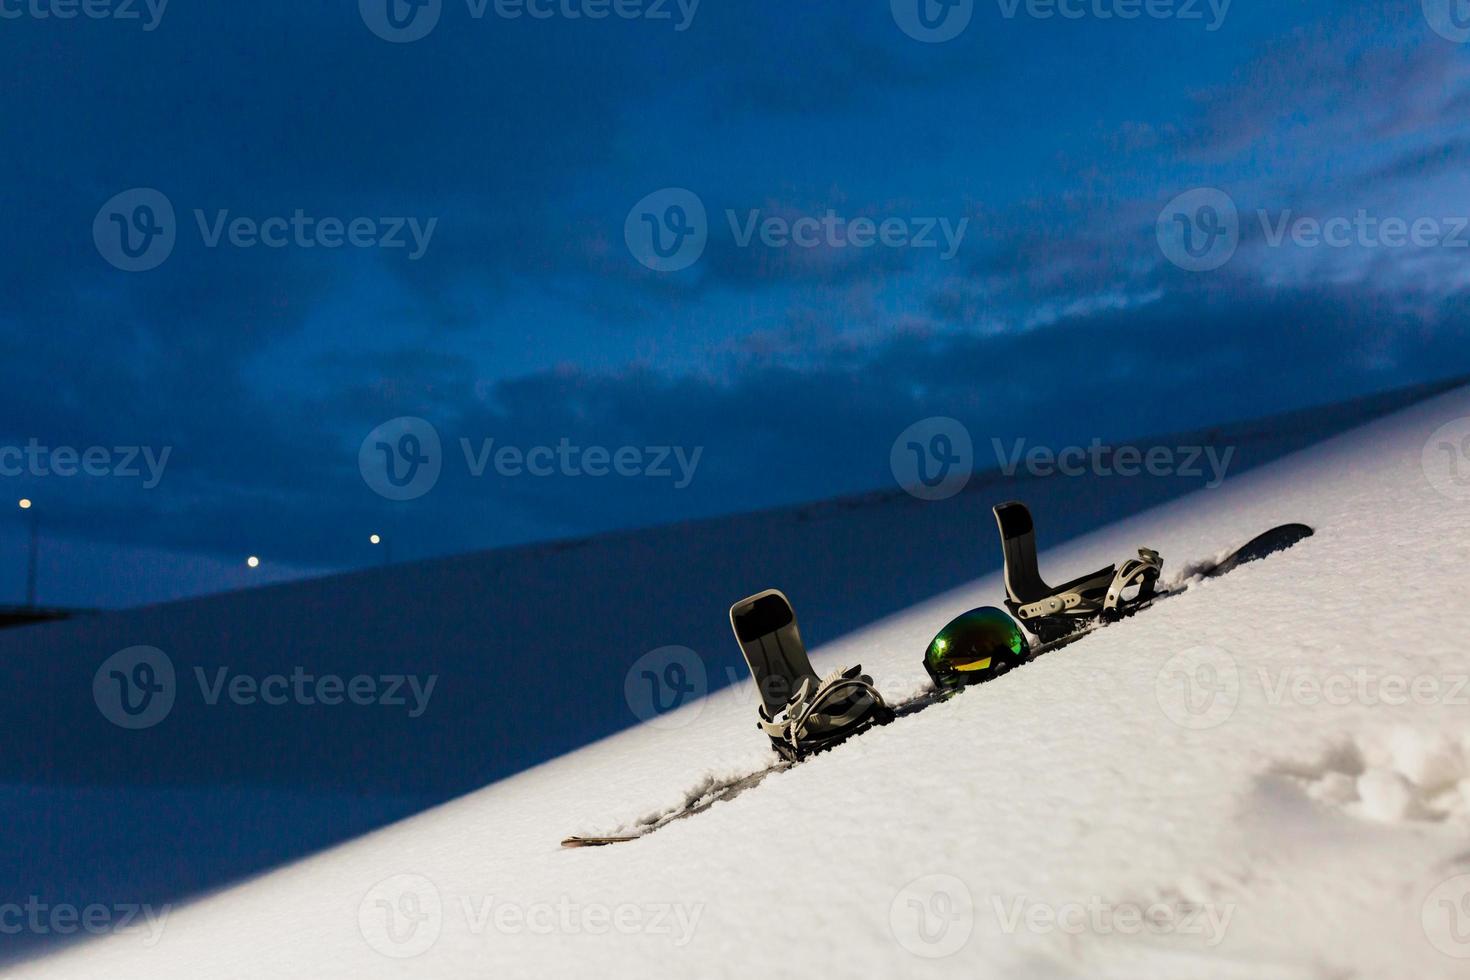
x: 1266, y: 777
x: 218, y: 791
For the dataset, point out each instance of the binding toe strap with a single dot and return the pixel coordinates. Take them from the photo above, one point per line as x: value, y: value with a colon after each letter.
x: 1142, y: 571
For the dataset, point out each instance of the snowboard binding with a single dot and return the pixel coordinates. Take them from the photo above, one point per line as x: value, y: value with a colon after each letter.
x: 1052, y: 613
x: 800, y: 712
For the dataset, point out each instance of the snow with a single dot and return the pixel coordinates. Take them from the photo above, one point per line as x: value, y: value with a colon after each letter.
x: 1268, y: 776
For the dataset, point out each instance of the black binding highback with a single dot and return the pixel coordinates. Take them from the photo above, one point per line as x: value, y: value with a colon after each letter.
x: 1018, y: 542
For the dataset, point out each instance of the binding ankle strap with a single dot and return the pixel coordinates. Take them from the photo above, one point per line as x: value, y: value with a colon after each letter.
x: 809, y: 716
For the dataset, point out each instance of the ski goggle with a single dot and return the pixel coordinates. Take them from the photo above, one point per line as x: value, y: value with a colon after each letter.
x: 973, y: 647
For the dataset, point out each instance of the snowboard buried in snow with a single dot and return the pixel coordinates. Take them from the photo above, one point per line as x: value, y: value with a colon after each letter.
x: 707, y: 795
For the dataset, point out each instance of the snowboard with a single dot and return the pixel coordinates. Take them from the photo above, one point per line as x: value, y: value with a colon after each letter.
x: 702, y: 798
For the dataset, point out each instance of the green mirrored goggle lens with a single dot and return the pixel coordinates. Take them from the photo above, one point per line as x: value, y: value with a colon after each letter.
x: 972, y: 645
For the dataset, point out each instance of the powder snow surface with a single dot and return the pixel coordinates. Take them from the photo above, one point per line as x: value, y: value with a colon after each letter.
x: 1266, y: 777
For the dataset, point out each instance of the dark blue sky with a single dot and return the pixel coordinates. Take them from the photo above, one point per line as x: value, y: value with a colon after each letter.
x: 520, y: 312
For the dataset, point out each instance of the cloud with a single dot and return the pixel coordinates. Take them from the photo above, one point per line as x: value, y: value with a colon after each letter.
x: 528, y: 321
x: 1358, y: 75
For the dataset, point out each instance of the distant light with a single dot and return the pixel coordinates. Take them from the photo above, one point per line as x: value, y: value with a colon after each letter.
x: 253, y: 561
x: 375, y: 539
x: 25, y: 503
